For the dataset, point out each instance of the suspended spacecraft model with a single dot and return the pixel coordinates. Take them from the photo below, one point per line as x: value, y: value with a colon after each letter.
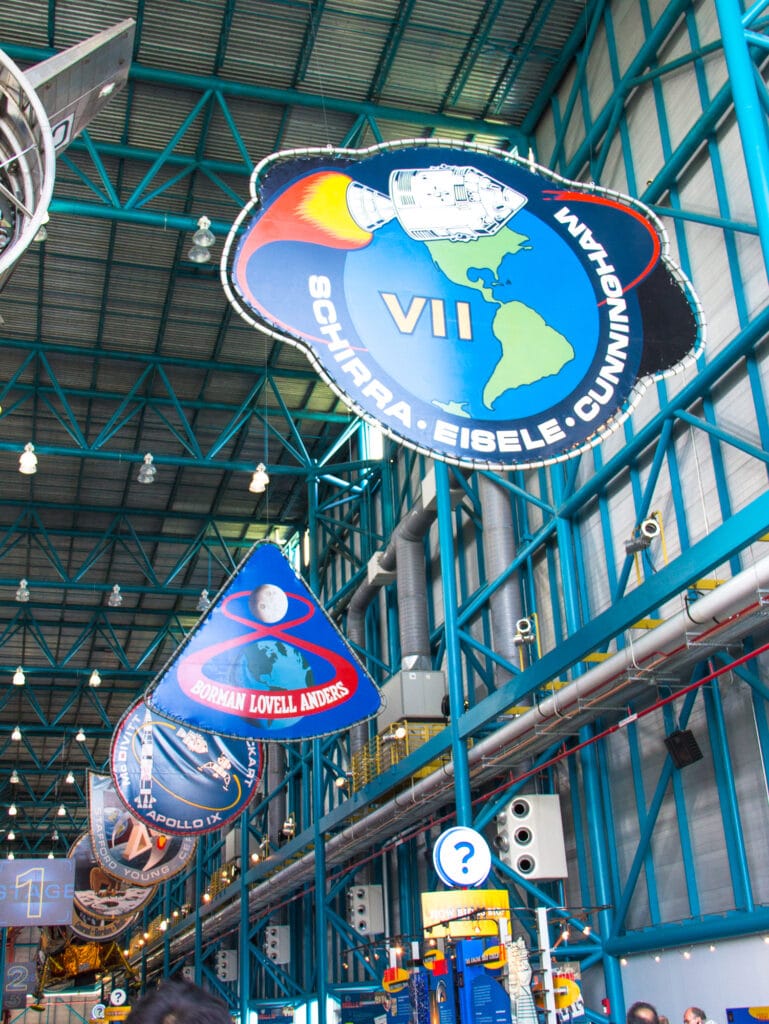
x: 41, y: 111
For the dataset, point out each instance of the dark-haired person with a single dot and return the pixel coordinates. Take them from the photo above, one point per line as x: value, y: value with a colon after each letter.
x: 179, y: 1002
x: 642, y: 1013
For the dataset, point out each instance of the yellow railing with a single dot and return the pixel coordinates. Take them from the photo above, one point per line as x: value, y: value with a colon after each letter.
x: 392, y: 746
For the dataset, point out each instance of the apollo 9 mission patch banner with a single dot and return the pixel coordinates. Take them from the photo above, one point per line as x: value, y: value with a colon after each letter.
x: 181, y: 780
x: 266, y: 662
x: 476, y: 306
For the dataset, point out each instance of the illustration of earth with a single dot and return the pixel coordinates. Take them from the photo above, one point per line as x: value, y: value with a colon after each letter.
x: 273, y: 665
x: 534, y: 328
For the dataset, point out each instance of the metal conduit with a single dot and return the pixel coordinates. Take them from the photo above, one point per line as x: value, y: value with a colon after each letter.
x: 731, y: 599
x: 656, y: 646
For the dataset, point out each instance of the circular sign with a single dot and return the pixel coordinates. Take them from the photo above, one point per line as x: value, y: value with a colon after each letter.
x: 462, y: 857
x: 117, y: 996
x: 97, y: 1011
x: 178, y: 779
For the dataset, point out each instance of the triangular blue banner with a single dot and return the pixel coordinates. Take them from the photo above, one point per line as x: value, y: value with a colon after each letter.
x: 266, y: 662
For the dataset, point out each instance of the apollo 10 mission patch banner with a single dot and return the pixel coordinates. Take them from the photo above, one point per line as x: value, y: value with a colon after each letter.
x: 476, y: 306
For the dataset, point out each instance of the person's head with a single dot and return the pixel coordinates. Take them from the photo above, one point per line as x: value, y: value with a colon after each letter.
x: 642, y: 1013
x: 179, y: 1002
x: 694, y: 1015
x: 663, y: 1019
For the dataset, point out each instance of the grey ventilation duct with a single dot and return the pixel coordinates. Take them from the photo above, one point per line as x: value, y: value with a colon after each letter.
x: 277, y: 808
x: 498, y: 553
x: 405, y: 558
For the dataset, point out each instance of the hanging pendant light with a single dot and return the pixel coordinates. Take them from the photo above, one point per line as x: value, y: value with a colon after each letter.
x: 28, y: 460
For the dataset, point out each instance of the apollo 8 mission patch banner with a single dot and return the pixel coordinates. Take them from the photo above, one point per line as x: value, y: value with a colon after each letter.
x: 476, y: 306
x: 266, y: 662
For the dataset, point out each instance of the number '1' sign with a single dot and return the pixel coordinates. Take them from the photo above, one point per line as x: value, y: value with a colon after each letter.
x: 36, y: 892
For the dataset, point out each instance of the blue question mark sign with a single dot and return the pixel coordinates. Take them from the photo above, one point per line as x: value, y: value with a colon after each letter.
x: 470, y: 851
x: 462, y: 857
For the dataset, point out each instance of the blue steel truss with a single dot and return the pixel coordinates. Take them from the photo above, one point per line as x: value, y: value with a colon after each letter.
x: 353, y: 508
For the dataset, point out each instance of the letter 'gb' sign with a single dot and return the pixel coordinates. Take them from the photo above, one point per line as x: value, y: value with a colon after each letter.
x: 476, y: 306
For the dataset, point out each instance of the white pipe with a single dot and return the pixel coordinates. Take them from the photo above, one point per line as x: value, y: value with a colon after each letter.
x: 729, y: 599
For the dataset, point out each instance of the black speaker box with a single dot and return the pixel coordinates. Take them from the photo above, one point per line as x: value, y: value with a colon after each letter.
x: 683, y: 748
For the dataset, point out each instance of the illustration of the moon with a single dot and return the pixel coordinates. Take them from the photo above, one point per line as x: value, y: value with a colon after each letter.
x: 268, y: 603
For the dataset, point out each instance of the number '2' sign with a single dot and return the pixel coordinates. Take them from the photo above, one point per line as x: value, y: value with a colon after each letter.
x: 36, y: 892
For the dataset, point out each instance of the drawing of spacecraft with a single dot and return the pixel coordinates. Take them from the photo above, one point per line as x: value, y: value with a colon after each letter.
x: 145, y: 799
x: 434, y: 203
x: 41, y: 112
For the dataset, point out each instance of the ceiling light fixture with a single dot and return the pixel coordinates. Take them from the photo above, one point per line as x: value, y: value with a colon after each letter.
x: 94, y: 679
x: 62, y: 811
x: 19, y: 679
x: 80, y: 736
x: 16, y: 734
x: 115, y: 598
x: 202, y: 241
x: 204, y: 601
x: 50, y: 855
x: 259, y: 479
x: 22, y: 594
x: 11, y: 836
x: 13, y: 810
x: 11, y: 855
x: 14, y: 777
x: 70, y: 779
x: 147, y: 472
x: 28, y: 460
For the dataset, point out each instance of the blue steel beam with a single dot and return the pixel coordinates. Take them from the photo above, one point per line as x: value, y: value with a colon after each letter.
x: 751, y: 118
x: 160, y: 77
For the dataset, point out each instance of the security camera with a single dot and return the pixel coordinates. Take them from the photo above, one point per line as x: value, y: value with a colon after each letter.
x: 524, y: 632
x: 650, y: 528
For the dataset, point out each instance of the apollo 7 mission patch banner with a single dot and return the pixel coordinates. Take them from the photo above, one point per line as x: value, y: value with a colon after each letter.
x: 476, y: 306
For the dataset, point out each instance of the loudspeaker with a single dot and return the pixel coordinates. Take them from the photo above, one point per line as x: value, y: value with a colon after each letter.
x: 277, y: 943
x: 365, y: 909
x: 530, y: 837
x: 683, y: 748
x: 226, y: 964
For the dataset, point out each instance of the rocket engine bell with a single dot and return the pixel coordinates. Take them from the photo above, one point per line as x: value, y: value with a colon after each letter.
x: 78, y: 82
